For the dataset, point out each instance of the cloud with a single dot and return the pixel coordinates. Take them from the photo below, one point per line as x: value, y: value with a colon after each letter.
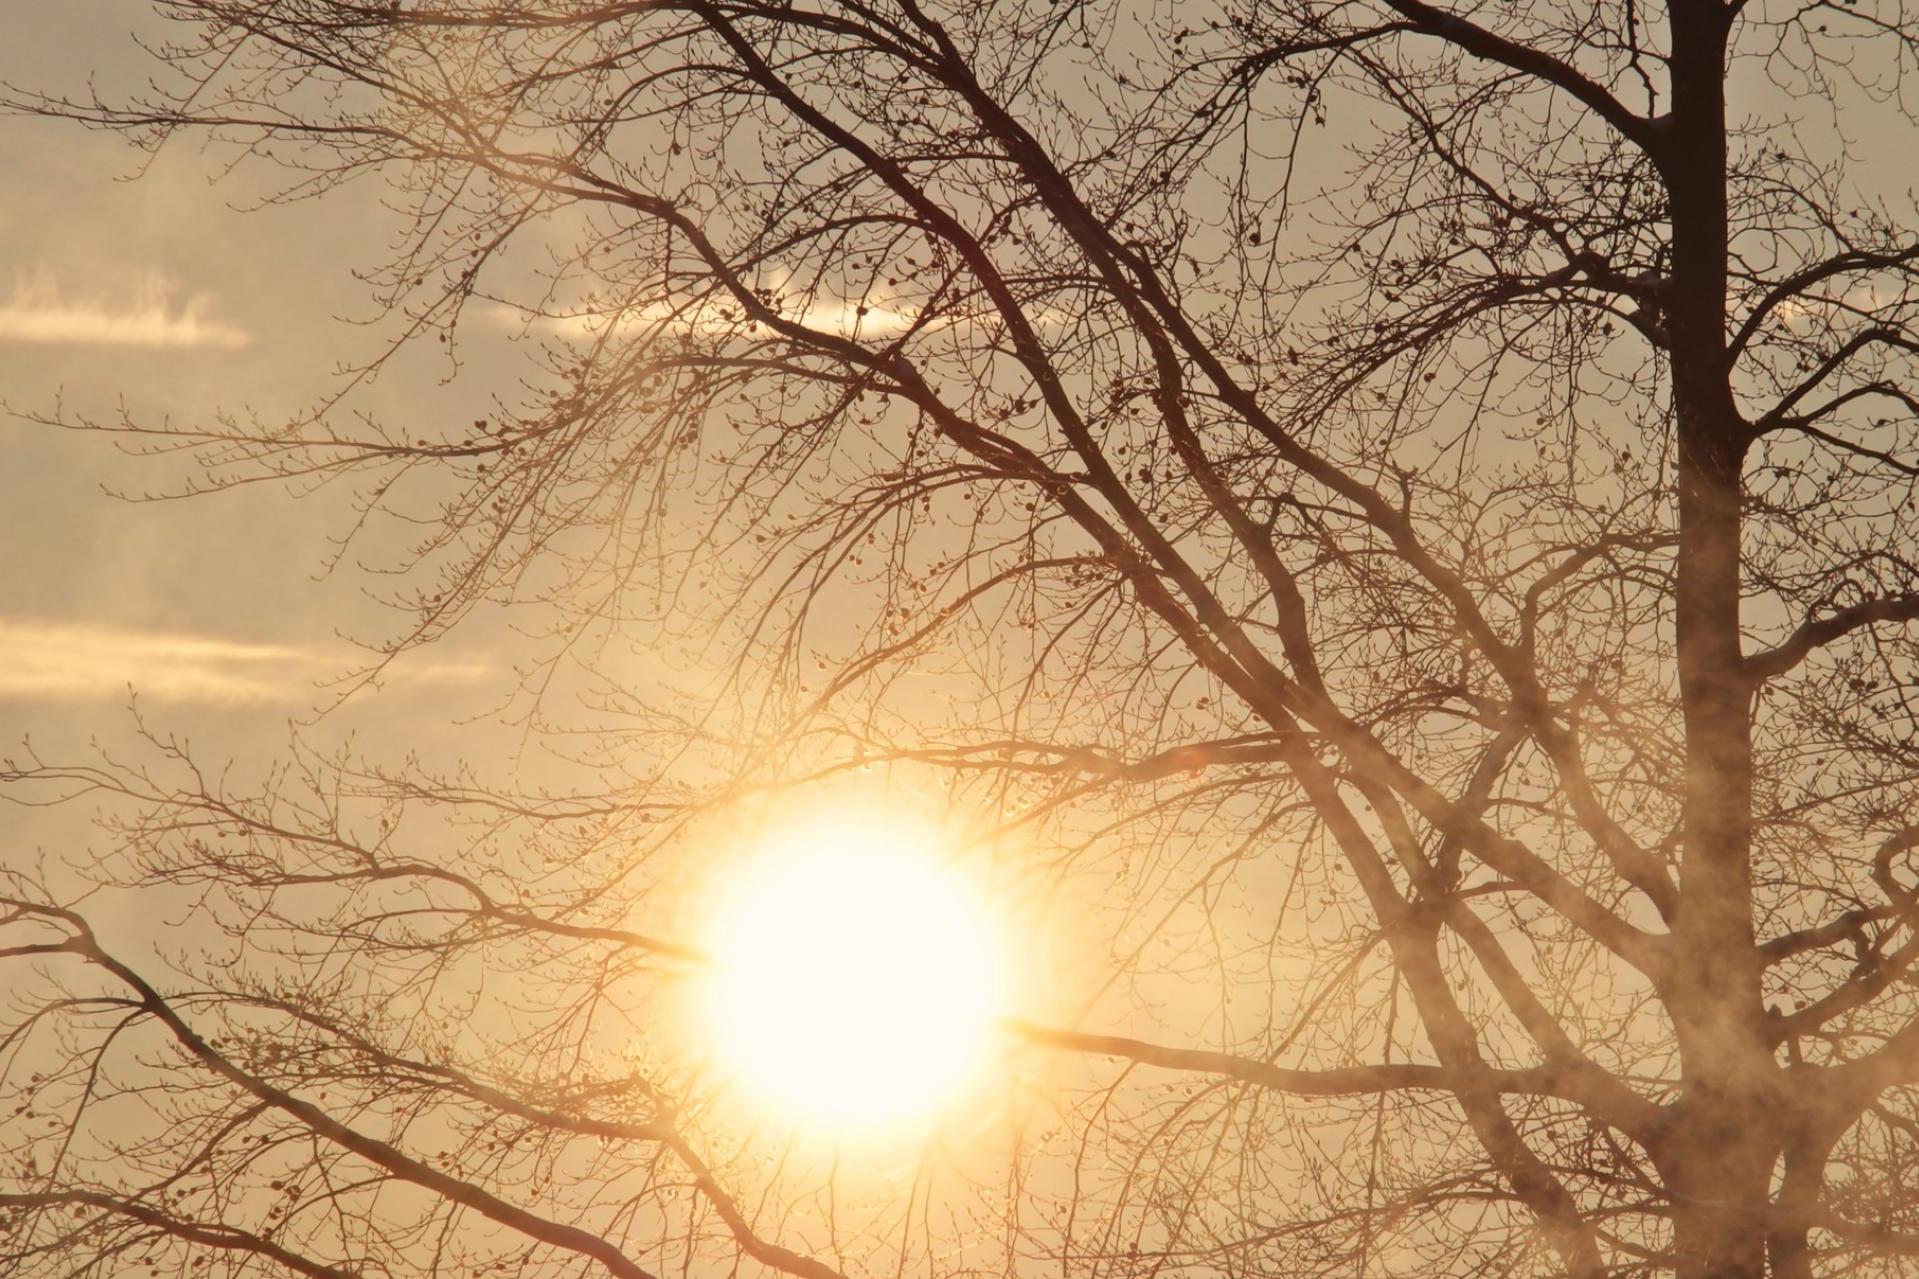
x: 1798, y: 310
x: 712, y: 318
x: 38, y: 313
x: 72, y: 661
x: 716, y: 314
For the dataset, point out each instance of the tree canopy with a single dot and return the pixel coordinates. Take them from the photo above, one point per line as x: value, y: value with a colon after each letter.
x: 1412, y: 505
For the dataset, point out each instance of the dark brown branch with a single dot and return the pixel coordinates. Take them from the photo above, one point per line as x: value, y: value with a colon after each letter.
x: 1797, y: 283
x: 1481, y: 43
x: 1813, y: 635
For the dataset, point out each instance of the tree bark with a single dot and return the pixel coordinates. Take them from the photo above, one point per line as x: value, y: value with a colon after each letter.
x: 1720, y: 1155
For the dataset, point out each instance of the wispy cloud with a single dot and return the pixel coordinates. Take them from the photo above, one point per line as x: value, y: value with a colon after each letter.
x: 876, y: 317
x: 69, y: 661
x: 37, y: 312
x: 713, y: 318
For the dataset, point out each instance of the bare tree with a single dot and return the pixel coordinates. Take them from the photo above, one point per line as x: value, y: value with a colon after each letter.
x: 1419, y: 499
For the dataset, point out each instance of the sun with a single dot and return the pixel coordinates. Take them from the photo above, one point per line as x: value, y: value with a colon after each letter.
x: 856, y: 977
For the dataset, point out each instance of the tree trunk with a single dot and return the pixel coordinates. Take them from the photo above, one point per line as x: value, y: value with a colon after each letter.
x: 1719, y: 1160
x: 1799, y: 1193
x: 1718, y: 1170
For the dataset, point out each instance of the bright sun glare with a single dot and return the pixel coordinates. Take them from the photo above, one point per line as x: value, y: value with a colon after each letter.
x: 856, y: 978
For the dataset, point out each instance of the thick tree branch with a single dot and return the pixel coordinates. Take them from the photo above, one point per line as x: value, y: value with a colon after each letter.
x: 1816, y: 634
x: 1481, y: 43
x: 1792, y: 286
x: 1620, y: 1107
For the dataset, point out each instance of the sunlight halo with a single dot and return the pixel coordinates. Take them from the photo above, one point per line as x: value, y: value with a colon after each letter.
x: 857, y: 976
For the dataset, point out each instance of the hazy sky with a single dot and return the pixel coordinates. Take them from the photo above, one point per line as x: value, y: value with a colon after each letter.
x: 156, y: 291
x: 161, y: 294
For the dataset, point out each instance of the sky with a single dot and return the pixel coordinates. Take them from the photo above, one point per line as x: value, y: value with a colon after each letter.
x: 155, y: 287
x: 144, y: 293
x: 141, y: 286
x: 138, y: 286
